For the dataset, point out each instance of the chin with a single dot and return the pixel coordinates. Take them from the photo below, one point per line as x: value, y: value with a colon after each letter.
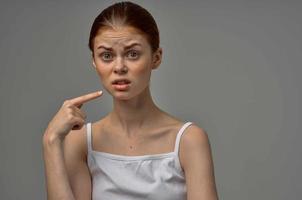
x: 120, y: 94
x: 121, y: 97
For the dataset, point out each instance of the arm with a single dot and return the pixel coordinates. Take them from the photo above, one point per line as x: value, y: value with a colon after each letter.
x: 67, y: 173
x: 58, y: 187
x: 198, y: 165
x: 76, y: 164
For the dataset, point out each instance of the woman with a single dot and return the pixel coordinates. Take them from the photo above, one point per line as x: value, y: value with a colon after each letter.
x: 137, y: 151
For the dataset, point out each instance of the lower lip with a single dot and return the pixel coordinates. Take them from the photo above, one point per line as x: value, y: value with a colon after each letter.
x: 121, y: 86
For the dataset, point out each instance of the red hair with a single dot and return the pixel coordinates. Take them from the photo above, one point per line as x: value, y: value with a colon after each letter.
x: 126, y: 14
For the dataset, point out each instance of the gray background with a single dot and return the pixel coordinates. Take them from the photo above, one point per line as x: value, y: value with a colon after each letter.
x: 232, y: 67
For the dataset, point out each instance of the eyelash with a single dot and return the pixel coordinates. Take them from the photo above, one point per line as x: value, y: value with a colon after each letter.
x: 131, y: 51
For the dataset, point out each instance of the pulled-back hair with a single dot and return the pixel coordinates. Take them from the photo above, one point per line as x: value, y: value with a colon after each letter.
x: 126, y: 14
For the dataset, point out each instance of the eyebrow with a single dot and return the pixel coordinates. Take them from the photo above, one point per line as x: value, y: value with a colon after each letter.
x: 127, y: 47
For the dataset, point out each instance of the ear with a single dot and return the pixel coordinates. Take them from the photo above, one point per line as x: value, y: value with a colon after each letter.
x: 157, y: 57
x: 93, y: 63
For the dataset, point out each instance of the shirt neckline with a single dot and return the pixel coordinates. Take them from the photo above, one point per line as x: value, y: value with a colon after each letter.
x: 138, y: 157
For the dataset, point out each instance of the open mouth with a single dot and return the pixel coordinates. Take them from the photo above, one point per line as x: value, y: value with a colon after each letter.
x: 121, y: 81
x: 121, y: 85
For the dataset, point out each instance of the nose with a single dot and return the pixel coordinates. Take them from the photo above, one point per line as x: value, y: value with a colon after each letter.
x: 120, y: 67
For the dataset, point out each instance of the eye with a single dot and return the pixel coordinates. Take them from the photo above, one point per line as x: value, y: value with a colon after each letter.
x: 133, y: 54
x: 106, y: 56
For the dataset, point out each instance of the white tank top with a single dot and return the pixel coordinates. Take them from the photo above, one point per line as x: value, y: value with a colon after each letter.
x: 145, y: 177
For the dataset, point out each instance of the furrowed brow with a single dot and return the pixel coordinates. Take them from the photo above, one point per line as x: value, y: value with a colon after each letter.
x: 132, y: 45
x: 127, y: 47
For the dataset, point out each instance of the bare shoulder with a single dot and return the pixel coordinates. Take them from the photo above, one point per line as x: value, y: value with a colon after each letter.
x: 197, y: 162
x: 195, y: 135
x: 194, y: 140
x: 76, y: 141
x: 75, y: 159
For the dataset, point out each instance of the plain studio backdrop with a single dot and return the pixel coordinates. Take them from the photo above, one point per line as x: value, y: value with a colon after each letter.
x: 232, y: 67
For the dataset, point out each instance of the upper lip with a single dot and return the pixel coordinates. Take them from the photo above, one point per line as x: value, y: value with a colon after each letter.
x: 120, y: 79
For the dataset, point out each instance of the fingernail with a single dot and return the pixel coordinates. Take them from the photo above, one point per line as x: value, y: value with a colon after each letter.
x: 100, y: 92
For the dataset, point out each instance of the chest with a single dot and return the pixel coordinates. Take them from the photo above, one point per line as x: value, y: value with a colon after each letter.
x: 146, y: 142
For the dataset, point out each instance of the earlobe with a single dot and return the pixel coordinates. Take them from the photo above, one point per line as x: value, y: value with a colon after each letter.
x: 157, y: 58
x: 93, y: 63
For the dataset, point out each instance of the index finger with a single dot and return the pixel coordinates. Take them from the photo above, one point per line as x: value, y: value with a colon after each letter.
x: 87, y: 97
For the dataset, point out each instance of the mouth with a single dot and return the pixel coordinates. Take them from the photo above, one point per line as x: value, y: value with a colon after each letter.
x: 121, y: 84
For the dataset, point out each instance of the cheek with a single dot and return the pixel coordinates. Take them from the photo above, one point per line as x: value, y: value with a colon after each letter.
x: 101, y: 68
x: 102, y: 72
x: 143, y: 72
x: 99, y: 71
x: 143, y: 67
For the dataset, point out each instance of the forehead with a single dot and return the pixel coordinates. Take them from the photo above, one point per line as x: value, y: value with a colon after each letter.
x: 121, y: 36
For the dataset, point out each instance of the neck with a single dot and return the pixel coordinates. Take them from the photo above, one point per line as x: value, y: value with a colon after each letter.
x: 133, y: 114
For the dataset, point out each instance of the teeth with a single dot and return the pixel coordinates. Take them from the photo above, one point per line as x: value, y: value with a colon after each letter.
x: 121, y: 82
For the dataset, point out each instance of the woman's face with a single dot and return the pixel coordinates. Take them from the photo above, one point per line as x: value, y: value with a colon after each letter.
x: 124, y: 53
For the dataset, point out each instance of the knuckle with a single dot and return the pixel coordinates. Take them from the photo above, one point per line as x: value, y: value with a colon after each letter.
x: 67, y: 103
x: 70, y: 117
x: 69, y: 111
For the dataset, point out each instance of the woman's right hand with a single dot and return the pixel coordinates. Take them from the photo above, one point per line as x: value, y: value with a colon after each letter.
x: 69, y: 117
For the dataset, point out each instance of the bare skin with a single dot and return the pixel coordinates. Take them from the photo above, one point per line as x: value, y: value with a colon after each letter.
x: 150, y: 140
x: 135, y: 117
x: 134, y: 108
x: 135, y: 126
x: 68, y: 118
